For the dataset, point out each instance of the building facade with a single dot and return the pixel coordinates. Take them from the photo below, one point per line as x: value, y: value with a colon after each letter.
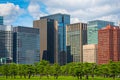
x: 108, y: 44
x: 48, y: 39
x: 26, y: 45
x: 1, y: 20
x: 6, y: 44
x: 63, y: 20
x: 90, y: 53
x: 92, y: 30
x: 76, y: 38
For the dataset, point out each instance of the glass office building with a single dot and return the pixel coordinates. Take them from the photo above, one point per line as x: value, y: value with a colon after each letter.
x: 76, y: 38
x: 92, y: 30
x: 63, y: 20
x: 48, y: 29
x: 26, y: 46
x: 6, y: 44
x: 1, y: 20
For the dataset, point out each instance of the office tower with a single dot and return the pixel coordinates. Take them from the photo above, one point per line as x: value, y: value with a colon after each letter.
x: 1, y: 20
x: 92, y: 30
x: 63, y: 20
x: 48, y: 39
x: 6, y: 44
x: 26, y: 45
x: 108, y: 44
x: 90, y: 53
x: 76, y: 38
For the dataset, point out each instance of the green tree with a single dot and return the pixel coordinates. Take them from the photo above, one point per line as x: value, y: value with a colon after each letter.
x: 47, y: 70
x: 104, y: 70
x: 6, y: 70
x: 36, y: 68
x: 93, y: 70
x: 113, y: 67
x: 43, y: 68
x: 56, y: 70
x: 13, y: 70
x: 87, y: 69
x: 65, y: 69
x: 79, y: 70
x: 30, y: 70
x: 72, y: 68
x: 24, y: 70
x: 20, y: 70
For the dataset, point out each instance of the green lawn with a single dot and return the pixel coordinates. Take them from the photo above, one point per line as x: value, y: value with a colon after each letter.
x: 60, y: 78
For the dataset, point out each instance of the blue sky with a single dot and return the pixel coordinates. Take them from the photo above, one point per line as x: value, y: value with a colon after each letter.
x: 23, y: 12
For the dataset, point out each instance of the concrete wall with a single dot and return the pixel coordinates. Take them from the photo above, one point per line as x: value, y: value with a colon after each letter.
x: 90, y: 53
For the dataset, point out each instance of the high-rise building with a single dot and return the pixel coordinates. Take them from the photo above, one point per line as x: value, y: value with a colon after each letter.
x: 1, y: 20
x: 76, y: 38
x: 26, y: 45
x: 92, y: 30
x: 63, y: 20
x: 6, y: 44
x: 108, y: 44
x: 90, y: 53
x: 48, y: 39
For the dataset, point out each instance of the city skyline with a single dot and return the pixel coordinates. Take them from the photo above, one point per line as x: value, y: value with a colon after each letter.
x: 24, y: 12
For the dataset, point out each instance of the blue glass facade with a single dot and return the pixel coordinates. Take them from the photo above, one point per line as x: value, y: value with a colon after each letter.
x: 92, y: 30
x: 1, y: 20
x: 26, y: 46
x: 63, y: 20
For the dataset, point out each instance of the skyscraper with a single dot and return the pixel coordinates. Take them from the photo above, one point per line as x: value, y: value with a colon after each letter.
x: 108, y: 44
x: 6, y: 44
x: 48, y: 39
x: 63, y: 20
x: 76, y: 38
x: 26, y: 45
x: 92, y: 30
x: 1, y: 20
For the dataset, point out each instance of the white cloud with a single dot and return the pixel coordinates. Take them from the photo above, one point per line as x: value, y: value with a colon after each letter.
x: 10, y: 12
x: 75, y: 20
x: 34, y: 9
x: 54, y: 10
x: 114, y: 18
x: 82, y: 10
x: 85, y: 10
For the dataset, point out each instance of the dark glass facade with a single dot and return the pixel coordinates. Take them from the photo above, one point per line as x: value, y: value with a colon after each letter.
x: 1, y: 20
x: 6, y: 44
x: 48, y: 39
x: 26, y: 47
x: 63, y: 20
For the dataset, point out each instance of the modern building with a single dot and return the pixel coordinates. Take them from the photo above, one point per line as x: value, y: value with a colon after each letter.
x: 76, y: 38
x: 1, y: 20
x: 90, y: 53
x: 108, y: 44
x: 92, y: 30
x: 63, y: 20
x: 48, y: 39
x: 26, y: 45
x: 6, y: 44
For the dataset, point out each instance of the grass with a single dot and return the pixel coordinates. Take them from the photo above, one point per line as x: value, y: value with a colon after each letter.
x: 59, y: 78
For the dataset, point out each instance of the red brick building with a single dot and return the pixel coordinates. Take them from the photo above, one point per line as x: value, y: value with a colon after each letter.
x: 108, y: 44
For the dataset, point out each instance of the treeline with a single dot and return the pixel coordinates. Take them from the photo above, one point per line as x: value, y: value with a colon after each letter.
x: 44, y: 68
